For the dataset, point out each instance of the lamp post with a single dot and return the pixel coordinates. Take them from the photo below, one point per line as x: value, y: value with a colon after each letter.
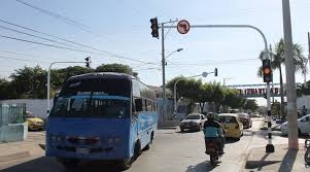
x: 164, y: 75
x: 175, y: 51
x: 49, y: 80
x: 204, y: 74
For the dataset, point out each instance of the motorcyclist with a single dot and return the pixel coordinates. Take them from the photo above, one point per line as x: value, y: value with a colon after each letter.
x: 212, y: 131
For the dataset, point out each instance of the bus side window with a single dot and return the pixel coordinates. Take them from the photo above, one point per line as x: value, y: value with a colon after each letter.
x: 145, y: 105
x: 139, y: 104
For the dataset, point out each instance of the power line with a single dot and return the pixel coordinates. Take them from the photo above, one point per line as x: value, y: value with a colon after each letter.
x: 64, y: 19
x: 6, y: 28
x: 76, y: 43
x: 218, y: 62
x: 200, y: 64
x: 60, y: 17
x: 44, y: 44
x: 17, y: 59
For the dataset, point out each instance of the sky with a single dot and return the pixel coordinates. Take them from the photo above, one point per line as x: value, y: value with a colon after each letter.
x: 119, y: 32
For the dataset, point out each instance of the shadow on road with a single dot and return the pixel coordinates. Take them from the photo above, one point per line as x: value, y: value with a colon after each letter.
x: 48, y: 164
x: 288, y: 161
x: 202, y: 167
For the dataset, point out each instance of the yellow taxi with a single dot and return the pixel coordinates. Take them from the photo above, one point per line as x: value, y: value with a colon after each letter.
x: 34, y: 123
x: 232, y: 125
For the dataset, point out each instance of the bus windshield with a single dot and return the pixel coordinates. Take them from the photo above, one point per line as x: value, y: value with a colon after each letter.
x: 91, y: 107
x: 94, y: 97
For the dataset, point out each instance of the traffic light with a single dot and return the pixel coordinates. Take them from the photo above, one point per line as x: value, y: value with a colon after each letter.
x: 87, y: 61
x: 215, y: 72
x: 267, y: 72
x: 154, y: 27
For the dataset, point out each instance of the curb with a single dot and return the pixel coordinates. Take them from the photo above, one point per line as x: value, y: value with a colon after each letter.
x: 14, y: 156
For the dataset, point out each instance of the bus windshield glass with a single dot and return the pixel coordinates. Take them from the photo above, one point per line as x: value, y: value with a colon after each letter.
x: 106, y: 98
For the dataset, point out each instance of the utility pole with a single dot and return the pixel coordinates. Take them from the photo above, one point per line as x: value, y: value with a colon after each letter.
x: 290, y: 77
x: 163, y: 63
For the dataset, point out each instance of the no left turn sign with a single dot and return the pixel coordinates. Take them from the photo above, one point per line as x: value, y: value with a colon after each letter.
x: 183, y: 26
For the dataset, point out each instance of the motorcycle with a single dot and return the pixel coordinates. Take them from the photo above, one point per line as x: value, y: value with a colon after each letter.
x: 213, y: 151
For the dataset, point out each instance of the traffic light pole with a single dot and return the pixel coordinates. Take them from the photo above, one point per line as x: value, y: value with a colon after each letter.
x: 49, y: 81
x: 270, y: 146
x: 163, y: 60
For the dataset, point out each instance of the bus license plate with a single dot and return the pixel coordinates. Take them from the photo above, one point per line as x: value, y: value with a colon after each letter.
x: 82, y: 150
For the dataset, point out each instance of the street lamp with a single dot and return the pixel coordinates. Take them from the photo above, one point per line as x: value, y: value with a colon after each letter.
x: 204, y: 74
x: 164, y: 76
x: 175, y: 51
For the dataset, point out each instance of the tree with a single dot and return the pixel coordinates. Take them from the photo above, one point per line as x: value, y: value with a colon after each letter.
x: 277, y: 59
x: 29, y: 82
x: 4, y: 89
x: 303, y: 89
x: 217, y: 94
x: 115, y: 67
x: 60, y: 76
x: 233, y: 99
x: 251, y: 105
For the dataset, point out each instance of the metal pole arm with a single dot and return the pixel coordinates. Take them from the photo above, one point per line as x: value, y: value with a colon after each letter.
x: 49, y: 81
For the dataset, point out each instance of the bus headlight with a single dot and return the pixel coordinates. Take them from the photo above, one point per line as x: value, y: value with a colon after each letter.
x: 117, y: 139
x: 56, y: 138
x: 114, y: 139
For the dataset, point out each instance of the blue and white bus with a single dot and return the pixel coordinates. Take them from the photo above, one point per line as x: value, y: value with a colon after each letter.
x: 101, y: 116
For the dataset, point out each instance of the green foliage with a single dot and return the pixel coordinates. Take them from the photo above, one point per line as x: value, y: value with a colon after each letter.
x: 233, y: 99
x: 250, y: 104
x: 214, y: 92
x: 275, y: 109
x: 115, y: 67
x: 30, y: 82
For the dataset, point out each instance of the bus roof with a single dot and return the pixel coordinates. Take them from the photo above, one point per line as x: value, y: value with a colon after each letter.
x: 101, y: 75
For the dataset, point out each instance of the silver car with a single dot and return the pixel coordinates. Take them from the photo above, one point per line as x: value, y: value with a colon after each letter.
x: 193, y: 121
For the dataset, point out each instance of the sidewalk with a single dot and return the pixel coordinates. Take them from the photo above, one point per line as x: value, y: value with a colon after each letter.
x: 282, y: 160
x: 21, y: 149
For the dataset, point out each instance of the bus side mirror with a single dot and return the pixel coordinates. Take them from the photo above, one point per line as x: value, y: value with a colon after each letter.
x: 138, y: 103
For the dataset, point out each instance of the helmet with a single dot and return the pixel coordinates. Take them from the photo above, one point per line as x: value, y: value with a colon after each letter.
x: 210, y: 116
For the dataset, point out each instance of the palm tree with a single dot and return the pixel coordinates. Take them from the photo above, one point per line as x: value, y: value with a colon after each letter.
x: 277, y: 59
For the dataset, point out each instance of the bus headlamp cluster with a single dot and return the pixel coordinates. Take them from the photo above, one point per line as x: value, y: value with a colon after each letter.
x: 56, y: 138
x: 113, y: 139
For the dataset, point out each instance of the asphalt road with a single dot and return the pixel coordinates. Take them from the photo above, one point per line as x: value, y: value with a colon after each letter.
x: 171, y: 151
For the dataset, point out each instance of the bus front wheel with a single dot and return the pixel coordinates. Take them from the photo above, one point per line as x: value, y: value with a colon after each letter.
x: 68, y: 163
x: 126, y: 163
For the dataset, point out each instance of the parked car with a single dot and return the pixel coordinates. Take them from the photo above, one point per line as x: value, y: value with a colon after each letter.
x: 246, y: 120
x: 193, y: 121
x: 34, y: 123
x: 303, y: 125
x: 232, y: 125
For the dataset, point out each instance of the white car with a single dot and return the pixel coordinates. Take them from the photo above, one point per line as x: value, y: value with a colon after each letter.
x: 303, y: 125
